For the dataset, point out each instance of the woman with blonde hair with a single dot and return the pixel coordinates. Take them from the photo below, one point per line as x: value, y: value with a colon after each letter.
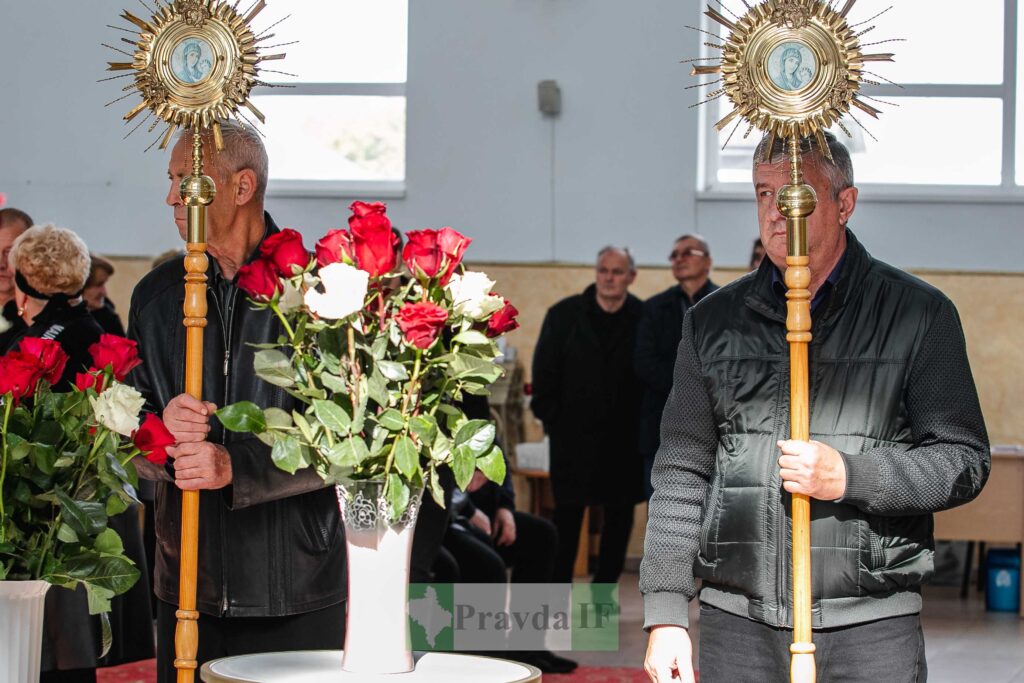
x: 51, y: 266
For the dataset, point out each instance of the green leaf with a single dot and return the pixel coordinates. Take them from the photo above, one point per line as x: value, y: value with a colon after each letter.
x: 116, y: 505
x: 463, y: 464
x: 274, y: 367
x: 86, y: 518
x: 44, y: 457
x: 277, y: 418
x: 407, y: 456
x: 303, y: 424
x: 379, y: 348
x: 391, y: 420
x: 332, y: 416
x: 492, y: 464
x: 333, y: 383
x: 348, y: 453
x: 441, y: 448
x: 331, y: 344
x: 393, y: 370
x: 434, y: 484
x: 66, y: 534
x: 378, y: 388
x: 398, y: 495
x: 464, y: 365
x: 477, y: 435
x: 359, y: 413
x: 108, y: 542
x: 424, y: 427
x: 471, y: 338
x: 244, y: 416
x: 286, y: 453
x: 98, y: 598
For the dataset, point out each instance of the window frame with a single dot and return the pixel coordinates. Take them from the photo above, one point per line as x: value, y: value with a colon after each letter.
x: 1007, y: 192
x: 338, y: 189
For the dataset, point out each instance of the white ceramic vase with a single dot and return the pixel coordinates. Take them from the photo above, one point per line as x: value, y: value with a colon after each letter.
x: 21, y: 630
x: 379, y: 552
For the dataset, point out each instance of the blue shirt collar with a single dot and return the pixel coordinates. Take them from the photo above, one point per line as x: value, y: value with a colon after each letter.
x: 779, y: 285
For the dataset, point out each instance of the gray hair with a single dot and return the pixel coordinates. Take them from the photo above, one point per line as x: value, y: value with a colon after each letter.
x: 838, y: 171
x: 697, y: 238
x: 243, y: 148
x: 619, y: 250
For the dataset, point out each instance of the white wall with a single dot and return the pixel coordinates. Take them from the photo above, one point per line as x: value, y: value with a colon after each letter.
x: 618, y: 166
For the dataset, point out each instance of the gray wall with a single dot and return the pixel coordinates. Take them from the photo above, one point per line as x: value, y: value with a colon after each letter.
x: 618, y: 166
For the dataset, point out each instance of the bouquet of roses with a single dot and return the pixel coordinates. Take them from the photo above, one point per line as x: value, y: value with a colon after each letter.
x: 378, y: 361
x: 66, y: 466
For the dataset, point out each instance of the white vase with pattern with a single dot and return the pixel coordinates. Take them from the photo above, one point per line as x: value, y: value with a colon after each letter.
x: 379, y: 552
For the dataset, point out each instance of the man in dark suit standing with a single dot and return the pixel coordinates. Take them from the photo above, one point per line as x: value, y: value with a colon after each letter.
x: 658, y: 337
x: 585, y: 393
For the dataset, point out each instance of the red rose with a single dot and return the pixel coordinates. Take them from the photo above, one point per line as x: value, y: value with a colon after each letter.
x: 117, y: 352
x: 421, y: 323
x: 453, y: 246
x: 336, y: 246
x: 372, y: 238
x: 153, y: 438
x: 259, y: 280
x: 52, y: 358
x: 503, y: 320
x: 88, y: 380
x: 434, y: 253
x: 286, y: 252
x: 19, y: 374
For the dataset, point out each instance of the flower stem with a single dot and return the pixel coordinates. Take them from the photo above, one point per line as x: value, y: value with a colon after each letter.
x: 8, y: 400
x: 353, y: 367
x: 284, y: 321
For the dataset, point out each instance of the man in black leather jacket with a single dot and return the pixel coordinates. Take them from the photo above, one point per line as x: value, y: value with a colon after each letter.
x: 896, y: 434
x: 271, y: 547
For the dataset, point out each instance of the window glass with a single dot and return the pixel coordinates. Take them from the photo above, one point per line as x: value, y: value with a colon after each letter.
x: 324, y: 137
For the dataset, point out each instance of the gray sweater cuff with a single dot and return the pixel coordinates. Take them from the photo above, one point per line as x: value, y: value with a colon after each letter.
x: 863, y: 479
x: 666, y: 609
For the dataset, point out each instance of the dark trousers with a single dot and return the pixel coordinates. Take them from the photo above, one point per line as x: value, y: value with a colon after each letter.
x: 617, y: 524
x: 735, y: 649
x: 479, y: 560
x: 323, y: 629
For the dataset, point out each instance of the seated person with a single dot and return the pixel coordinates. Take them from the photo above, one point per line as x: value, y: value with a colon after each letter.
x: 487, y: 536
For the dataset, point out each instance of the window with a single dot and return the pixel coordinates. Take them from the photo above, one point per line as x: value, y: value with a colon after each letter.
x: 945, y: 83
x: 339, y: 124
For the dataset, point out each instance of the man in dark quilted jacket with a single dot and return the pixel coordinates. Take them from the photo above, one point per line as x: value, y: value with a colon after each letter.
x: 896, y: 435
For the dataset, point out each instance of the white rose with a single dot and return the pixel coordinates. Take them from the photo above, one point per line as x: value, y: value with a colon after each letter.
x: 5, y: 324
x: 118, y: 408
x: 471, y: 295
x: 344, y: 291
x: 291, y: 297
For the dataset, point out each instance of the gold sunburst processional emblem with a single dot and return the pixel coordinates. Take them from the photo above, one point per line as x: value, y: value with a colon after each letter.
x: 791, y: 67
x: 194, y: 64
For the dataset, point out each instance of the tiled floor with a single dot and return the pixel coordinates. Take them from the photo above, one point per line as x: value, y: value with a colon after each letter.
x: 965, y: 644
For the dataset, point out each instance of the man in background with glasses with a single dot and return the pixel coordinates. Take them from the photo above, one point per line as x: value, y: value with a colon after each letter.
x: 657, y: 338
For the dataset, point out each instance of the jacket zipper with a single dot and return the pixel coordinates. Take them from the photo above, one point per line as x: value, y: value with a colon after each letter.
x: 227, y: 327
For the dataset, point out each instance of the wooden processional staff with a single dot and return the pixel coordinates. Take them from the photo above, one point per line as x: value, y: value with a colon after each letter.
x: 194, y: 64
x: 792, y: 69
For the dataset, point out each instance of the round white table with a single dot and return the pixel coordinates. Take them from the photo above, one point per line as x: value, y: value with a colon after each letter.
x: 316, y: 666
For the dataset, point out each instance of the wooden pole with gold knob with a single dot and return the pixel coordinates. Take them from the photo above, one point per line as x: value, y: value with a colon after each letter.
x: 197, y: 191
x: 796, y: 202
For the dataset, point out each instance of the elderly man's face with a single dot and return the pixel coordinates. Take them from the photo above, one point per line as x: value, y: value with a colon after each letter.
x: 690, y: 260
x: 613, y: 275
x: 824, y: 227
x: 8, y: 233
x: 220, y: 213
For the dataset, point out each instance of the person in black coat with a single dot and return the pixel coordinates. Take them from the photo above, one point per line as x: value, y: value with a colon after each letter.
x: 661, y: 327
x: 586, y: 394
x: 51, y: 266
x: 95, y: 295
x: 13, y: 222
